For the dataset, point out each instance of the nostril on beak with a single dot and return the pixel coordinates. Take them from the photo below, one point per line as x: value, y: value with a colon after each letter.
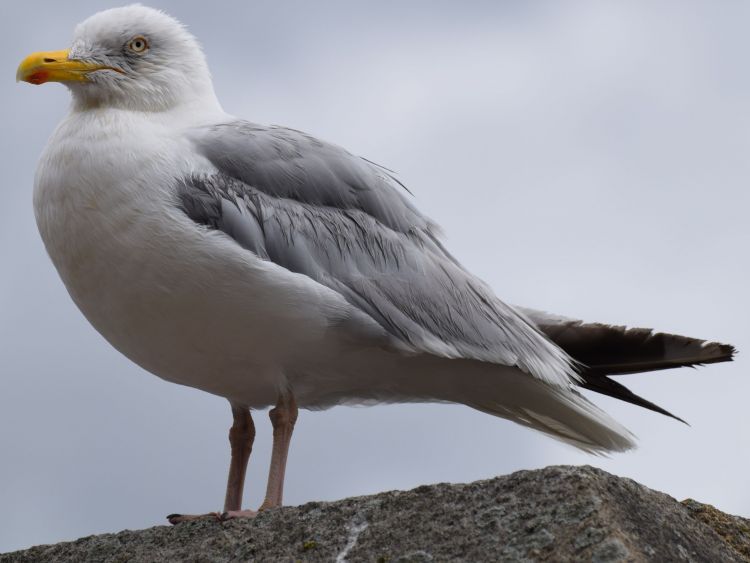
x: 48, y: 60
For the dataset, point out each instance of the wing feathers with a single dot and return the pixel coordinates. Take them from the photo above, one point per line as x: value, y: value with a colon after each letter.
x: 317, y: 210
x: 617, y: 350
x: 605, y: 350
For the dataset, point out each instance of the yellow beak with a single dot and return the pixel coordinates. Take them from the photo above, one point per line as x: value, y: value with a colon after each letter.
x: 55, y: 66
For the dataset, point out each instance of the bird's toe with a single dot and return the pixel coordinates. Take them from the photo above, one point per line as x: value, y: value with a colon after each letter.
x: 232, y: 514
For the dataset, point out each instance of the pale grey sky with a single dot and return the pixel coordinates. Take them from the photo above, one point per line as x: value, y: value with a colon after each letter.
x: 588, y: 158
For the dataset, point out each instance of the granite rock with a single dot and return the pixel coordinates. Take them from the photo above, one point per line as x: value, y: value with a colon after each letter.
x: 553, y: 514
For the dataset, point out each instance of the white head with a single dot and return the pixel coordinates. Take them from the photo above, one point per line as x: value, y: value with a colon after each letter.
x: 133, y: 57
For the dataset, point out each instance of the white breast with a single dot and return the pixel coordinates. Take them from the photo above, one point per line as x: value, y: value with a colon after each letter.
x: 185, y: 303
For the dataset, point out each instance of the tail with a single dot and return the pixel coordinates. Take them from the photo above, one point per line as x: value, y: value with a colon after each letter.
x: 605, y: 350
x: 507, y: 392
x: 503, y: 391
x: 563, y: 414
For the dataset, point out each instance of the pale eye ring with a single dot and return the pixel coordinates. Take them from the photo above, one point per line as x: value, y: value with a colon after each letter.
x: 138, y: 44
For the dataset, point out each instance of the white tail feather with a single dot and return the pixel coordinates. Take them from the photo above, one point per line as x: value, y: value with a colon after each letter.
x: 562, y: 414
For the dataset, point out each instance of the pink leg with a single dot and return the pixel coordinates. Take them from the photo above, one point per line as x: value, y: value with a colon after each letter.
x: 282, y: 418
x: 241, y: 437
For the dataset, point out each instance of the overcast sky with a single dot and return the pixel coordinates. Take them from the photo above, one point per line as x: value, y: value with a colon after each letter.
x: 586, y: 158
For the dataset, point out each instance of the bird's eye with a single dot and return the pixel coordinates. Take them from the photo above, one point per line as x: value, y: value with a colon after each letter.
x: 138, y: 44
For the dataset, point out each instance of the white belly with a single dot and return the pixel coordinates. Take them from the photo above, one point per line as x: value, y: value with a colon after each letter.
x: 187, y: 304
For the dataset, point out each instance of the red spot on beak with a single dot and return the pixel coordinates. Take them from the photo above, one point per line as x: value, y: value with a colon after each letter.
x: 39, y: 77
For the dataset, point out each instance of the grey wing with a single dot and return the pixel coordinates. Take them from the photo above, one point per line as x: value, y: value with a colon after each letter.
x: 317, y: 210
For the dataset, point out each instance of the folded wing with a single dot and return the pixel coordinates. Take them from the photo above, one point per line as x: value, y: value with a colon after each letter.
x: 317, y: 210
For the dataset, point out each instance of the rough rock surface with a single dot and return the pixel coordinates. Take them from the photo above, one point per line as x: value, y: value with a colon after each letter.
x: 553, y: 514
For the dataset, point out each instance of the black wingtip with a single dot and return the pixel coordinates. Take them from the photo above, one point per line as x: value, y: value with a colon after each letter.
x: 717, y: 352
x: 618, y: 350
x: 728, y: 352
x: 606, y: 386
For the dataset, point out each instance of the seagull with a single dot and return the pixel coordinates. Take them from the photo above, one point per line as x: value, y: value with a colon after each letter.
x: 274, y: 269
